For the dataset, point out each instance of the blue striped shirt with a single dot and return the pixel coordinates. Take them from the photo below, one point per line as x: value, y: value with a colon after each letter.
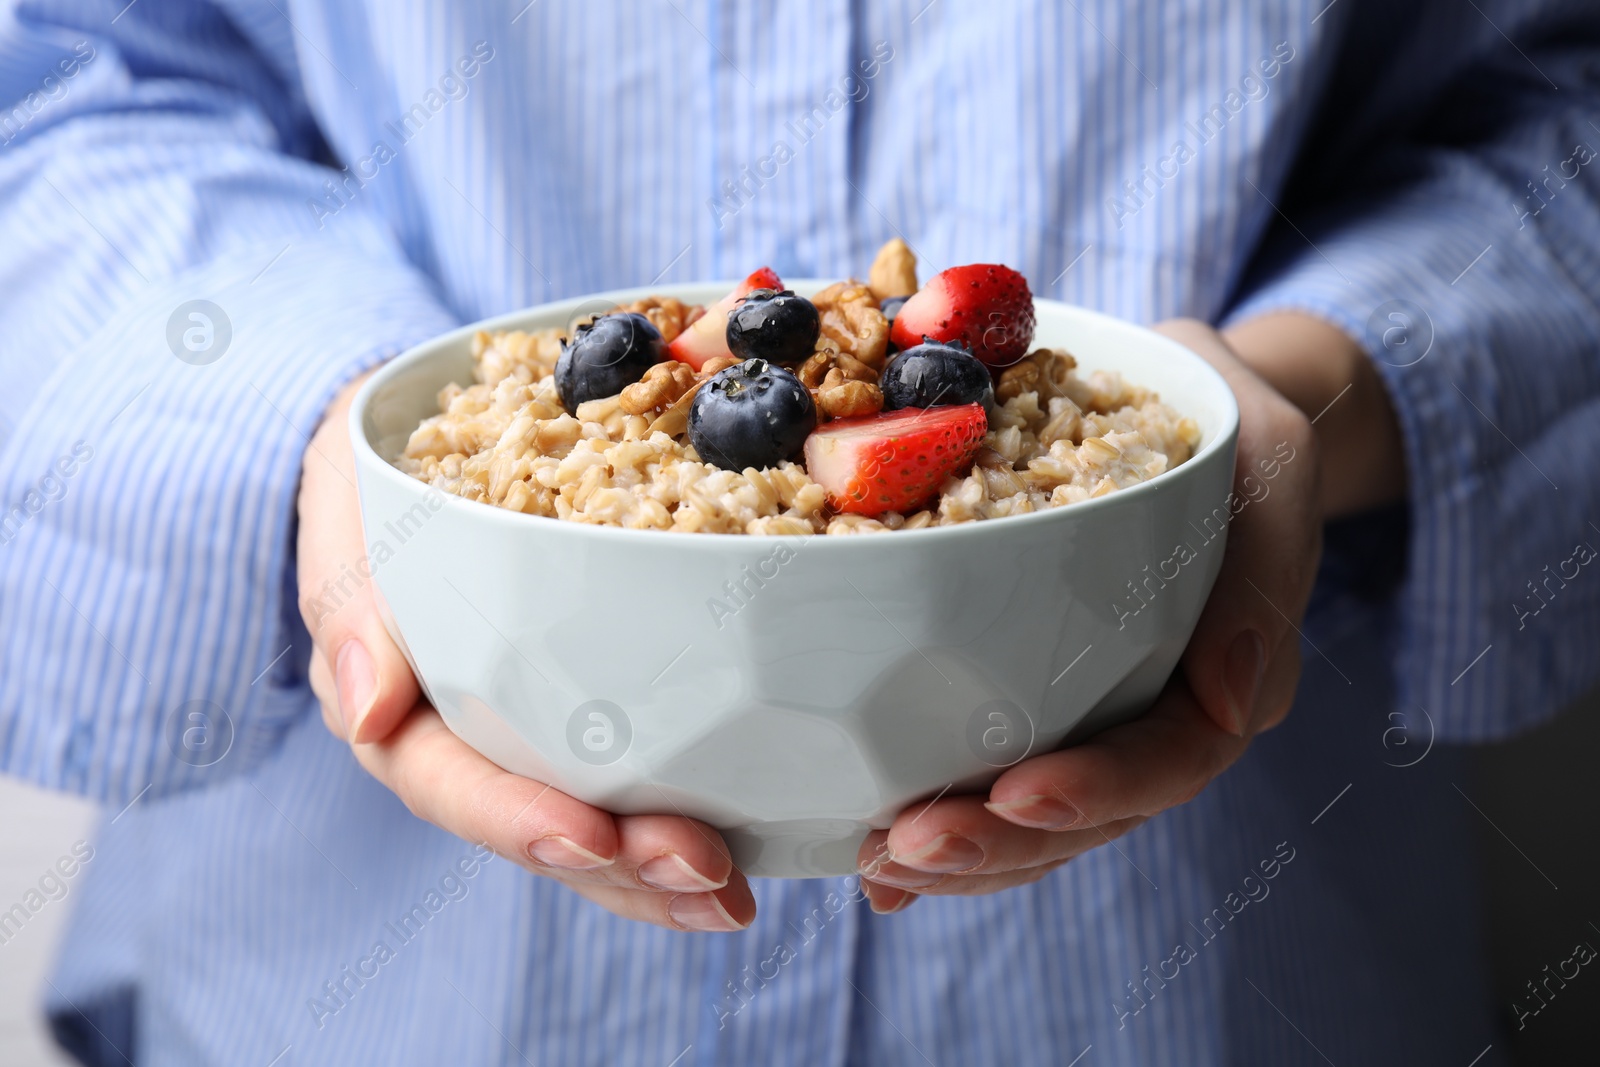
x: 339, y: 181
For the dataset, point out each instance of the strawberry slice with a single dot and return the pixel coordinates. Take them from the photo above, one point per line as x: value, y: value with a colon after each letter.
x: 894, y: 460
x: 985, y: 306
x: 707, y: 337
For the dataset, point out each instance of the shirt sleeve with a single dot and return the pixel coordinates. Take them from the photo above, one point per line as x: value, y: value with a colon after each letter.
x: 1463, y: 251
x: 184, y: 295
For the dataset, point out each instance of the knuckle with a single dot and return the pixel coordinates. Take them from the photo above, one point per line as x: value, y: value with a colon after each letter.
x: 485, y: 810
x: 1294, y: 427
x: 401, y: 784
x: 1036, y: 873
x: 307, y: 603
x: 417, y: 784
x: 330, y: 719
x: 1303, y: 436
x: 1188, y: 793
x: 1275, y: 715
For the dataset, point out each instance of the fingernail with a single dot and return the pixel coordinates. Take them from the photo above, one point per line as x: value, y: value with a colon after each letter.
x: 893, y: 874
x: 880, y: 856
x: 885, y: 907
x: 1039, y: 812
x: 703, y: 912
x: 672, y: 871
x: 565, y: 854
x: 357, y: 681
x: 1242, y: 672
x: 947, y: 852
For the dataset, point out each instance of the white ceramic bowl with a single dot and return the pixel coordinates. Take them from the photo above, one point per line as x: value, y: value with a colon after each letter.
x: 861, y: 674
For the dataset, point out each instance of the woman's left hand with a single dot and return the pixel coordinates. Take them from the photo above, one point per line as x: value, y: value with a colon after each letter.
x: 1238, y: 678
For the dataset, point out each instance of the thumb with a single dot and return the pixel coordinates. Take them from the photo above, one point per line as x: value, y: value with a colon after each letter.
x: 375, y: 686
x: 1244, y: 652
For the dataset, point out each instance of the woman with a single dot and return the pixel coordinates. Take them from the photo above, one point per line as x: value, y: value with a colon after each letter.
x: 220, y: 215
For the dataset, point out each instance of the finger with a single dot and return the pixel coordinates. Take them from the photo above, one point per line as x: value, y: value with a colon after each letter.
x: 875, y: 864
x: 887, y: 899
x: 1280, y: 685
x: 884, y: 881
x: 669, y: 852
x: 976, y: 885
x: 1161, y: 759
x: 1274, y: 540
x: 373, y: 682
x: 890, y: 886
x: 441, y: 779
x: 731, y: 908
x: 320, y: 675
x: 960, y: 836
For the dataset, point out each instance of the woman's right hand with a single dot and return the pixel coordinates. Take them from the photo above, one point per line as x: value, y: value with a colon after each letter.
x: 664, y: 869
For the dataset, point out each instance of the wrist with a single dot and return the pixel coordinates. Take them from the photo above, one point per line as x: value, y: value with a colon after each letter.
x: 1332, y: 380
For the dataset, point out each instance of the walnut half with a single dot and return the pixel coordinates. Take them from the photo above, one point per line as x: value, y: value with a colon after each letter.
x: 813, y: 370
x: 894, y: 270
x: 661, y: 386
x: 1017, y: 379
x: 841, y: 398
x: 674, y: 420
x: 716, y: 365
x: 667, y: 314
x: 852, y: 323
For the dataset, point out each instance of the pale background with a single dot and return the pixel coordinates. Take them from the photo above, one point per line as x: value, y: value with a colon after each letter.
x: 1540, y: 791
x: 36, y: 829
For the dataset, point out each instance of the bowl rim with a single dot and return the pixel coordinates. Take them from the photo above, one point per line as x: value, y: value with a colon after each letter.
x: 369, y: 463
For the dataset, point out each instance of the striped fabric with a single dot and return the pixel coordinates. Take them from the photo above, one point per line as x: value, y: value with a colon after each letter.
x: 338, y: 181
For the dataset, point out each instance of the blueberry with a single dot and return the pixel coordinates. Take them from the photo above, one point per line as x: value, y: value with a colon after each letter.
x: 891, y: 307
x: 753, y: 414
x: 779, y: 327
x: 934, y: 373
x: 605, y: 356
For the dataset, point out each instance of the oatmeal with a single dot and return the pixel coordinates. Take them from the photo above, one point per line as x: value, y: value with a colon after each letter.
x: 884, y: 447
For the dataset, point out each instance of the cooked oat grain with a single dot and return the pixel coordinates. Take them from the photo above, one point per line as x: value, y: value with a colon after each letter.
x: 506, y: 440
